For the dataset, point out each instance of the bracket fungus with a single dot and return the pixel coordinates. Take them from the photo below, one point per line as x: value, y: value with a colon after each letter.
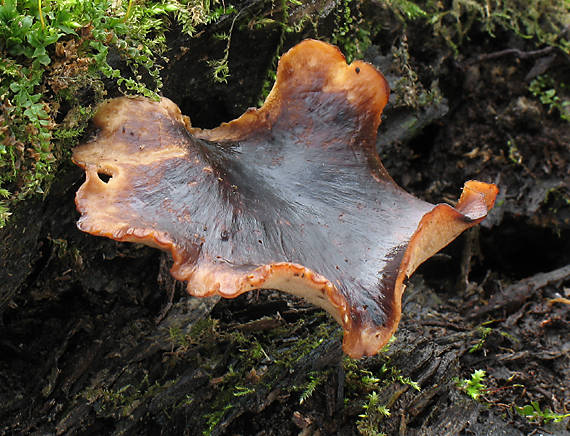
x: 291, y: 196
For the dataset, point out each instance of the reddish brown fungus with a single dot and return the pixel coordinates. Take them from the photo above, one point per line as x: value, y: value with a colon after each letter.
x: 291, y: 196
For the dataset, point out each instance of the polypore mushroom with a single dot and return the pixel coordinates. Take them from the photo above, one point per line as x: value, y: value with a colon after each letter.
x: 291, y: 196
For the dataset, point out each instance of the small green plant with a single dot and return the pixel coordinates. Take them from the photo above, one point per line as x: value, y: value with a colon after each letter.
x: 255, y: 351
x: 546, y: 90
x: 369, y: 380
x: 391, y: 373
x: 241, y: 391
x: 386, y: 347
x: 533, y: 412
x: 115, y: 399
x: 180, y: 342
x: 375, y: 383
x: 187, y: 401
x: 515, y: 155
x: 485, y: 331
x: 220, y: 67
x: 204, y: 327
x: 408, y: 381
x: 309, y: 388
x: 374, y: 413
x: 405, y: 9
x: 474, y: 386
x: 360, y: 380
x: 212, y: 419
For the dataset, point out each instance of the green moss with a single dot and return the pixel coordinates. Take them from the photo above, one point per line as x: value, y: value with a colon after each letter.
x: 304, y: 345
x: 52, y: 51
x: 250, y: 374
x: 205, y: 326
x: 180, y: 341
x: 485, y: 331
x: 123, y: 401
x: 225, y: 393
x: 240, y: 391
x: 540, y: 20
x: 213, y: 419
x: 408, y: 90
x: 220, y: 67
x: 405, y: 10
x: 352, y: 30
x: 515, y: 156
x: 557, y: 198
x: 374, y: 413
x: 202, y: 332
x: 308, y: 389
x: 374, y: 384
x: 360, y: 379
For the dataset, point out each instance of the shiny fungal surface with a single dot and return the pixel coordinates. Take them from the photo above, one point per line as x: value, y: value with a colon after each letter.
x: 291, y: 196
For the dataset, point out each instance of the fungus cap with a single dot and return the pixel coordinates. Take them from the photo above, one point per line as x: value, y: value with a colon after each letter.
x: 291, y: 196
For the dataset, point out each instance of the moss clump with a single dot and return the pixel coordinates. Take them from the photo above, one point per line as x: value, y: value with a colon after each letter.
x: 51, y: 52
x: 541, y: 20
x: 353, y: 30
x: 262, y: 361
x: 374, y: 412
x: 375, y: 385
x: 124, y: 400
